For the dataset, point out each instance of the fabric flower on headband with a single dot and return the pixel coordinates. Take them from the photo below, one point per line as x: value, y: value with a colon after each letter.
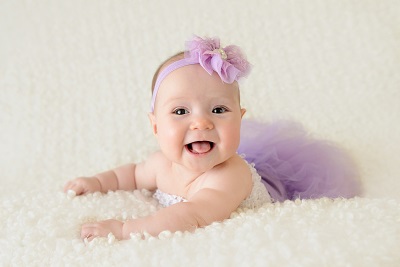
x: 228, y: 62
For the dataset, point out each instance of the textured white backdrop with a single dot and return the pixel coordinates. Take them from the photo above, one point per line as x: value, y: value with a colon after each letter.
x: 74, y: 95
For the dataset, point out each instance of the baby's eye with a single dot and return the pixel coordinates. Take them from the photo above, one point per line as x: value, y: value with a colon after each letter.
x: 219, y: 110
x: 180, y: 111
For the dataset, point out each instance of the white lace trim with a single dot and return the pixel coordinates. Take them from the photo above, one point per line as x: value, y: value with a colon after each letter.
x: 259, y: 194
x: 166, y: 199
x: 257, y: 198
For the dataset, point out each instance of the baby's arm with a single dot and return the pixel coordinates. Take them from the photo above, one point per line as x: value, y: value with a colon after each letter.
x: 127, y: 177
x: 219, y: 197
x: 178, y: 217
x: 121, y: 178
x: 206, y: 207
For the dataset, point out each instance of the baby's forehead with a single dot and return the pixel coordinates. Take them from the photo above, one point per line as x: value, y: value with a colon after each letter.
x: 193, y: 83
x: 195, y: 74
x: 224, y: 95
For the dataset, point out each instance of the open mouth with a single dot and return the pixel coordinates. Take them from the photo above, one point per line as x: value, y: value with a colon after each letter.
x: 200, y: 147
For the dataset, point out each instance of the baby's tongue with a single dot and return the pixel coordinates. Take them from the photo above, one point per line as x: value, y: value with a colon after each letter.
x: 201, y: 147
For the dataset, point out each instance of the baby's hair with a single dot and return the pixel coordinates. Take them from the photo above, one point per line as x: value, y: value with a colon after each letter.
x: 168, y: 61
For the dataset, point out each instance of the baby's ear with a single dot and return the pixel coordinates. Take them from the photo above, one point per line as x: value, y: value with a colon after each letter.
x: 243, y: 111
x: 153, y: 123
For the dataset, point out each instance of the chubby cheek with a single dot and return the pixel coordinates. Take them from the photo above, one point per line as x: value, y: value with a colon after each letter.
x: 231, y: 137
x: 169, y: 137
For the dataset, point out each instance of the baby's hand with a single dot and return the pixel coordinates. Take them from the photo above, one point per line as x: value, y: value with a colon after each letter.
x: 83, y: 185
x: 102, y: 229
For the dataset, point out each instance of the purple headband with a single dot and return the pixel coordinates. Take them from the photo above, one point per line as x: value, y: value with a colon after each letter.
x: 229, y: 62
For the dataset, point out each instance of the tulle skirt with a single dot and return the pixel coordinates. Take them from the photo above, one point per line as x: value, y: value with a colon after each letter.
x: 294, y: 165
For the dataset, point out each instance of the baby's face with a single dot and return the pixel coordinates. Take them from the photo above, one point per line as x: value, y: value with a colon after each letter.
x: 197, y: 118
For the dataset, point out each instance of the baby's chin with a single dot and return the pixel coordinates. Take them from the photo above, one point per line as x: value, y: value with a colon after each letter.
x: 201, y: 165
x: 199, y: 168
x: 205, y: 165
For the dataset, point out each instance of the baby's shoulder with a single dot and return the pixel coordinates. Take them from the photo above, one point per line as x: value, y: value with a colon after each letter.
x: 234, y: 175
x: 235, y: 169
x: 235, y: 164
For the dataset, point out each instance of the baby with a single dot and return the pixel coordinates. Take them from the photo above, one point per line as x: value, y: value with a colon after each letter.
x: 197, y: 174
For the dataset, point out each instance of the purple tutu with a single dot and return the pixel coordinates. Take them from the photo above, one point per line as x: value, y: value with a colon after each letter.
x: 294, y: 165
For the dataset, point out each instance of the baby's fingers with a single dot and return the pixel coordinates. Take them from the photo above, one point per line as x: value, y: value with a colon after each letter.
x: 102, y: 229
x: 74, y: 186
x: 92, y: 230
x: 89, y: 232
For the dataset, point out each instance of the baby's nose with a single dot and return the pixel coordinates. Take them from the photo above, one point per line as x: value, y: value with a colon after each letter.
x: 202, y: 123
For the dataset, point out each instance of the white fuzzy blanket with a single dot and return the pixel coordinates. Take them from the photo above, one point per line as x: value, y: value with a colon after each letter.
x: 41, y: 229
x: 75, y: 89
